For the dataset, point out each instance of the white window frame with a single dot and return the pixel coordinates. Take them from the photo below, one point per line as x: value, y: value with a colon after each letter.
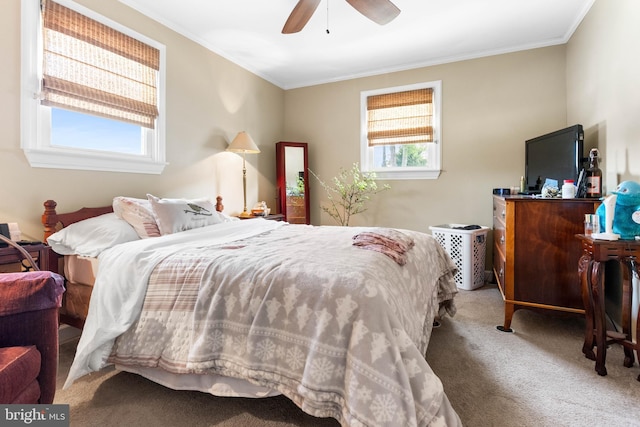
x: 35, y: 121
x: 435, y: 148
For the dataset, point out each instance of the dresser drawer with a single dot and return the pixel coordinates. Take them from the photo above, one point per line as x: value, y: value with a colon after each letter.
x: 499, y: 228
x: 499, y: 265
x: 499, y: 212
x: 500, y: 241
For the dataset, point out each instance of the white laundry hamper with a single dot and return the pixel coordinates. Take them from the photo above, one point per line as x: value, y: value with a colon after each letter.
x: 467, y: 249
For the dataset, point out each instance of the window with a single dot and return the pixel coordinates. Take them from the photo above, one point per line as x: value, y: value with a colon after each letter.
x: 92, y: 93
x: 400, y: 131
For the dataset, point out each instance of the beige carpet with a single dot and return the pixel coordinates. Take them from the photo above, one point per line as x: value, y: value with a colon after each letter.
x: 536, y: 376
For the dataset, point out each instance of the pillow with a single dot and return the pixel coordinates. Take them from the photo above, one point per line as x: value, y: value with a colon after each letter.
x: 92, y: 236
x: 174, y: 215
x: 138, y: 213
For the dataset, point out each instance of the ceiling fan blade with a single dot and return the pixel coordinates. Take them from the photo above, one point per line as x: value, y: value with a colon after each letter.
x: 379, y: 11
x: 300, y: 16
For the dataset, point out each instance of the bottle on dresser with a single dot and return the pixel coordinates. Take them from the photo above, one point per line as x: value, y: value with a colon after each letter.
x: 594, y: 175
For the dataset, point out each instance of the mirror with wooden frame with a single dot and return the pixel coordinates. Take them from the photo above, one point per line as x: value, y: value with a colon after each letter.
x: 293, y: 181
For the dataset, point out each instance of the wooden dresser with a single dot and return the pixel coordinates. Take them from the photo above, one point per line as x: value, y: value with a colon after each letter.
x: 535, y: 252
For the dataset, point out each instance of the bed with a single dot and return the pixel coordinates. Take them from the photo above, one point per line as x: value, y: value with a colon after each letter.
x: 337, y: 319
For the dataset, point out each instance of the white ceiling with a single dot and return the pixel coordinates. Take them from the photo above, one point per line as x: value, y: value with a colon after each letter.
x: 427, y: 32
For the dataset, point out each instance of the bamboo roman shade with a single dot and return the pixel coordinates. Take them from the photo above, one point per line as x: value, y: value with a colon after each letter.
x: 92, y: 68
x: 400, y: 118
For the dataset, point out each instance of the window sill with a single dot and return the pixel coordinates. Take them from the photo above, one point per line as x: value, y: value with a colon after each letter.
x: 406, y: 174
x: 55, y: 159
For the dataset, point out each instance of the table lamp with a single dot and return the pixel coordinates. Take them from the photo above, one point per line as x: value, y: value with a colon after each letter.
x: 243, y: 143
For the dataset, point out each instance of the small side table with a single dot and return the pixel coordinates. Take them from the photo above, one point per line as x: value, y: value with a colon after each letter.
x: 591, y: 271
x: 38, y: 251
x: 271, y: 217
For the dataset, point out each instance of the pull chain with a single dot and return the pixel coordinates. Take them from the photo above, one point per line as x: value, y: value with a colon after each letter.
x: 327, y: 16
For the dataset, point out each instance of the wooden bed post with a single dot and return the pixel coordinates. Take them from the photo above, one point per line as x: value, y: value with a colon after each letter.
x: 49, y: 218
x: 219, y: 205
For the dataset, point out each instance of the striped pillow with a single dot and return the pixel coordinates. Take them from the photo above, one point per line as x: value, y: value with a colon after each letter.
x: 138, y: 213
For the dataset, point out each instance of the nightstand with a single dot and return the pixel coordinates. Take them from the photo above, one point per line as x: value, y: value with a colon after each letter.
x: 272, y: 217
x: 11, y: 258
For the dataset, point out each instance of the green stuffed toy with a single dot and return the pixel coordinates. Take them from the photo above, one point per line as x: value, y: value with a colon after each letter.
x: 626, y: 218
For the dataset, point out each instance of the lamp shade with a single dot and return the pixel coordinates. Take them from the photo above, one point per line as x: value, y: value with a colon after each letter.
x: 243, y: 143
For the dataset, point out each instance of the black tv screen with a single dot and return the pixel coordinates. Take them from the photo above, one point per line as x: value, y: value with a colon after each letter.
x: 557, y: 155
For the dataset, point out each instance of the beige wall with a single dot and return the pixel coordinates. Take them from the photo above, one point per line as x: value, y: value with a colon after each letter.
x: 490, y: 107
x: 603, y: 93
x: 603, y: 86
x: 209, y: 100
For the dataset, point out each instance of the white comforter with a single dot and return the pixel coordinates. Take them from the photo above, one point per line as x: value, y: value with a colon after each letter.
x: 363, y: 350
x: 120, y: 285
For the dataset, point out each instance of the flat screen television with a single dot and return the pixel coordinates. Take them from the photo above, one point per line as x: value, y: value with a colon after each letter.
x: 557, y: 155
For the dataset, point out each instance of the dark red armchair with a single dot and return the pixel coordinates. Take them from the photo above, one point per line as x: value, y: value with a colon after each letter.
x: 29, y: 303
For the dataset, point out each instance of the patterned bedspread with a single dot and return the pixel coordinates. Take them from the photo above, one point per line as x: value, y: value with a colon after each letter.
x: 339, y: 330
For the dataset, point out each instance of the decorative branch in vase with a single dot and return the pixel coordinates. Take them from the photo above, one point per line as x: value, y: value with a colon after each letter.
x: 349, y: 193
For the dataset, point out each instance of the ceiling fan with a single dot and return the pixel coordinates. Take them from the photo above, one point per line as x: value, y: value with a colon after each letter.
x: 379, y: 11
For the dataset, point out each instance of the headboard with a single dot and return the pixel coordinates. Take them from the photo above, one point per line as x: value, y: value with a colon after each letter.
x: 51, y: 219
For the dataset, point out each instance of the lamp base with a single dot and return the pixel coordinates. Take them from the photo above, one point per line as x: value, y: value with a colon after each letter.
x: 245, y: 214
